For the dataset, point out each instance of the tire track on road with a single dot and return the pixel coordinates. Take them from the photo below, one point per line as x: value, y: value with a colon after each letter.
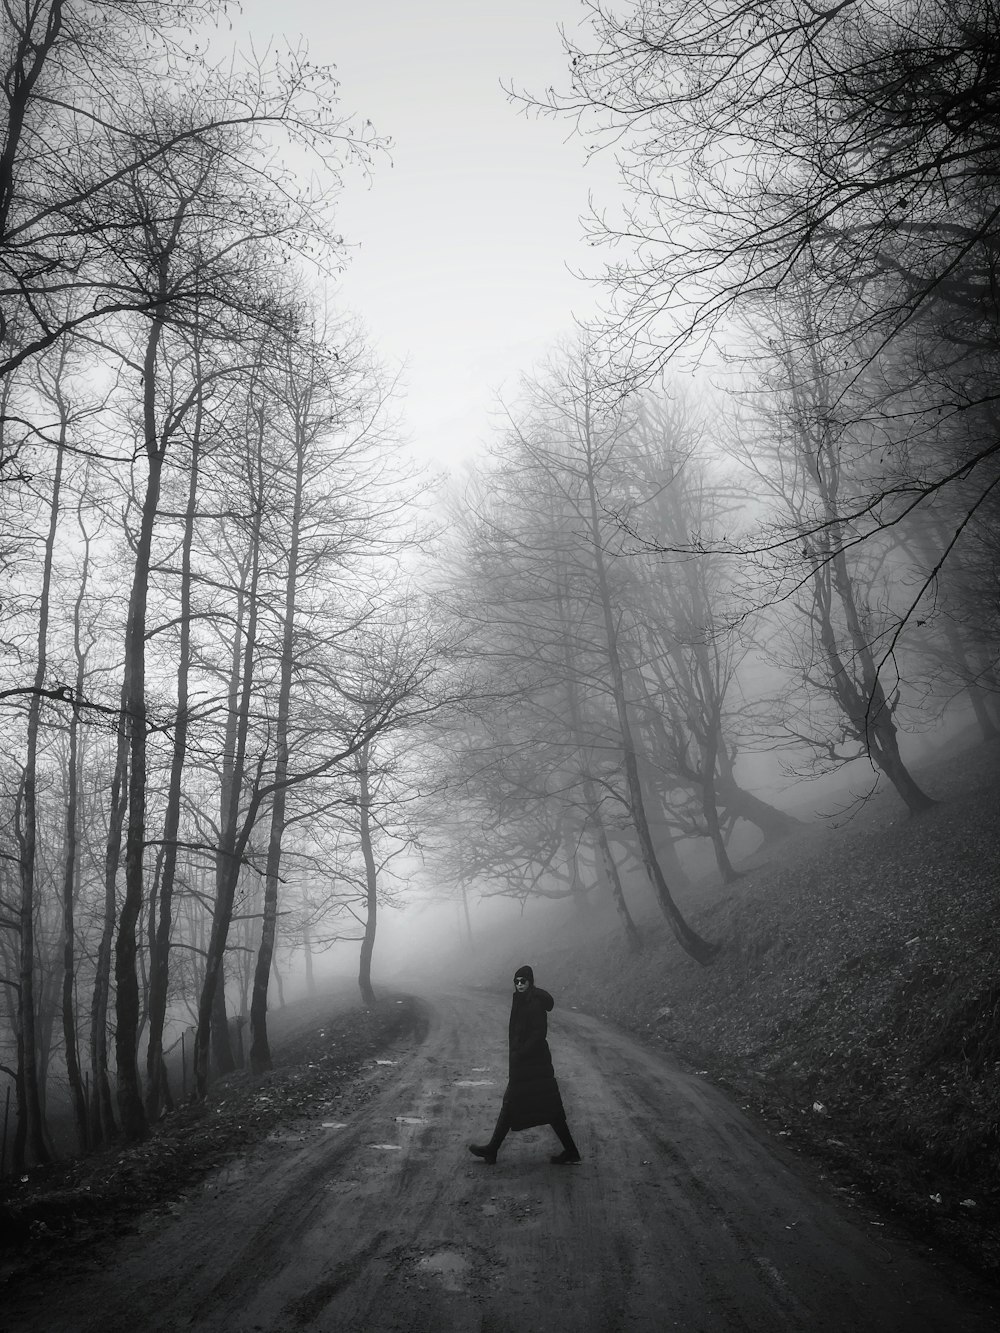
x: 683, y: 1215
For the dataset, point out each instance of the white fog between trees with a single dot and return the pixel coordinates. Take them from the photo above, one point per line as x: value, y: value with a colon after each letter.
x: 258, y: 680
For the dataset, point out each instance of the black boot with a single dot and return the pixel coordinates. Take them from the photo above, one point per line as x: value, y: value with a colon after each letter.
x: 570, y: 1155
x: 566, y: 1158
x: 488, y: 1151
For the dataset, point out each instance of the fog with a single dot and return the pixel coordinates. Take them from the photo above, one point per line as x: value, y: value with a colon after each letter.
x: 282, y: 710
x: 378, y: 756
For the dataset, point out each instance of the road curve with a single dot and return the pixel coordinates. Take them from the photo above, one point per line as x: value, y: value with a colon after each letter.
x: 683, y: 1215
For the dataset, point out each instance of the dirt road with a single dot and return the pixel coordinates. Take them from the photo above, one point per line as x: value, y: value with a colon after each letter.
x: 682, y: 1216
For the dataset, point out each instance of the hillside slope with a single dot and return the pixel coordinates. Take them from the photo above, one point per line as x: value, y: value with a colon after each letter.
x: 855, y: 1003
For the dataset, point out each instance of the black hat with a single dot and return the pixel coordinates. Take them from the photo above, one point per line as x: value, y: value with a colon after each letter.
x: 525, y: 972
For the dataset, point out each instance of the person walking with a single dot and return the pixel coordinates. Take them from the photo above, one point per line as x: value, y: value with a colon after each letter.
x: 532, y: 1093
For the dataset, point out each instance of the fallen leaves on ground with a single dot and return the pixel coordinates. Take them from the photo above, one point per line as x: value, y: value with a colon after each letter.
x: 858, y: 974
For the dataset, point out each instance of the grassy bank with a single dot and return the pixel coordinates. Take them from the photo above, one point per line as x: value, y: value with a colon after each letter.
x: 855, y: 1003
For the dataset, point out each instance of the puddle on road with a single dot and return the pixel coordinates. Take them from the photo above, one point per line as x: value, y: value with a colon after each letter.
x: 410, y: 1120
x: 334, y: 1124
x: 449, y: 1268
x: 386, y: 1147
x: 474, y: 1082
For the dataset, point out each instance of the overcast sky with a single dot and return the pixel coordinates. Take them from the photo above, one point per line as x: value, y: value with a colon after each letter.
x: 467, y: 239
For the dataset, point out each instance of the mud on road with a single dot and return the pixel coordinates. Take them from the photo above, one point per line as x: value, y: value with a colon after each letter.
x: 683, y: 1215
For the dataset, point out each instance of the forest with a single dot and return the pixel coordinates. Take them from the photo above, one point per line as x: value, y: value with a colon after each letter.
x: 262, y: 677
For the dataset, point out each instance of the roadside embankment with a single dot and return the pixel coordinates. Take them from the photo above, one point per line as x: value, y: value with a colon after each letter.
x: 855, y: 1003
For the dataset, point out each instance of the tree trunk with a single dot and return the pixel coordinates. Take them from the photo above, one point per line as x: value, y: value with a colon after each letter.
x: 159, y: 961
x: 278, y: 980
x: 307, y: 955
x: 29, y: 1097
x: 739, y: 803
x: 884, y: 748
x: 130, y: 1107
x: 260, y: 1053
x: 103, y: 1128
x: 858, y: 688
x: 710, y: 805
x: 701, y: 950
x: 659, y: 827
x: 466, y: 917
x: 631, y: 930
x: 233, y: 836
x: 29, y: 1142
x: 260, y: 1050
x: 711, y: 815
x: 32, y: 45
x: 926, y: 557
x: 879, y: 728
x: 73, y: 1072
x: 578, y: 889
x: 595, y: 820
x: 867, y: 707
x: 977, y: 696
x: 703, y: 725
x: 371, y: 879
x: 223, y: 1055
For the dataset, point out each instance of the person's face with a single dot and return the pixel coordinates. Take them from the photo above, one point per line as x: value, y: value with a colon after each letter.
x: 520, y: 985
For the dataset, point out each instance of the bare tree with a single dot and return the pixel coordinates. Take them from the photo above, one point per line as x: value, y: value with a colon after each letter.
x: 75, y: 819
x: 565, y: 443
x: 849, y: 148
x: 29, y: 1135
x: 802, y: 457
x: 692, y: 635
x: 78, y: 82
x: 331, y: 455
x: 538, y: 757
x: 143, y: 208
x: 752, y: 134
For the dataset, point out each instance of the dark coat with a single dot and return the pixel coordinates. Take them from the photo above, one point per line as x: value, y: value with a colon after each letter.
x: 532, y: 1095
